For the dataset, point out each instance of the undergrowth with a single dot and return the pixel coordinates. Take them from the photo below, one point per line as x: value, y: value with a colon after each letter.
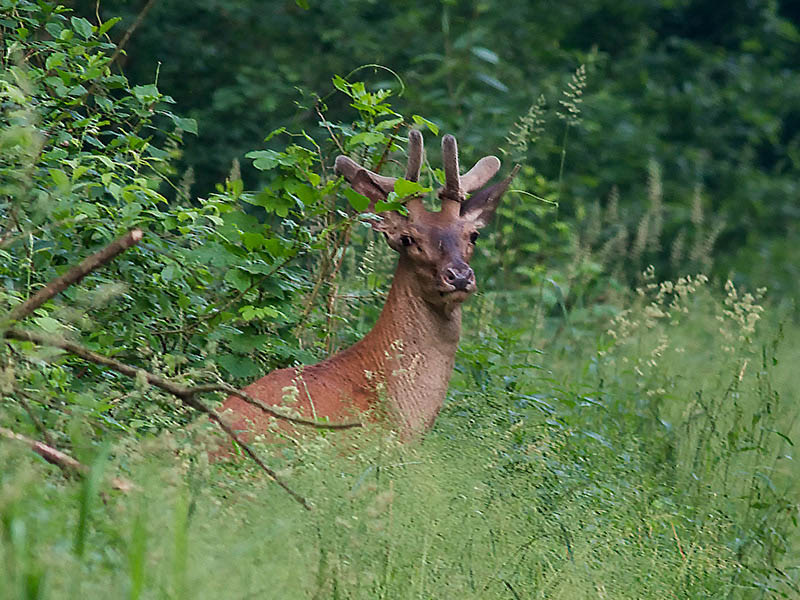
x: 655, y: 465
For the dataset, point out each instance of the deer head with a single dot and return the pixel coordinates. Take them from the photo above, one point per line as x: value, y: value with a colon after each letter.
x: 435, y: 246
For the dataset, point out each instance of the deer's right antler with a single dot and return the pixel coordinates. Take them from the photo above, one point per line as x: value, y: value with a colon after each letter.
x: 457, y: 186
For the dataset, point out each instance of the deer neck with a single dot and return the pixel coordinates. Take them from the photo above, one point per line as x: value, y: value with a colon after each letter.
x: 408, y: 355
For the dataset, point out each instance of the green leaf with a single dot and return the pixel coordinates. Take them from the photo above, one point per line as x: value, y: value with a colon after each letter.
x: 275, y: 132
x: 253, y: 241
x: 276, y: 247
x: 429, y: 124
x: 359, y: 202
x: 388, y: 124
x: 146, y: 94
x: 170, y: 273
x: 404, y: 188
x: 485, y: 54
x: 238, y: 366
x: 340, y: 84
x: 59, y: 178
x: 108, y: 25
x: 54, y: 29
x: 302, y: 4
x: 238, y: 279
x: 49, y: 324
x: 386, y: 206
x: 264, y: 160
x: 82, y: 26
x: 54, y: 60
x: 492, y: 82
x: 185, y: 123
x: 368, y: 138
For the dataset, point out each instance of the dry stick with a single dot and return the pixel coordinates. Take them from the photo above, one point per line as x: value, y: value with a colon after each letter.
x: 75, y: 274
x: 165, y: 384
x: 63, y: 461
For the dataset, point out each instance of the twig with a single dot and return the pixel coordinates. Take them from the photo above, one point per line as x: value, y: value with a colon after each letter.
x: 22, y: 398
x: 75, y: 274
x: 173, y: 388
x: 379, y: 165
x: 223, y: 387
x: 328, y: 127
x: 125, y: 38
x: 62, y: 460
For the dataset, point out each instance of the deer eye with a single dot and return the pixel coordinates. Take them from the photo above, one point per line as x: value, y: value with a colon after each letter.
x: 473, y: 237
x: 406, y: 240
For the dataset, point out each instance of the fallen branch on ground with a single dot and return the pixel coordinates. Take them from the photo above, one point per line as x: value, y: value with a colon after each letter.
x: 62, y: 460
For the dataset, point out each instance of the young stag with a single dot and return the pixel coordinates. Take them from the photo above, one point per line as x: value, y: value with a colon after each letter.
x: 399, y: 370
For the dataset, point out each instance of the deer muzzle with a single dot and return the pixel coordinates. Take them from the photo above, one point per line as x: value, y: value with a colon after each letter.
x: 461, y: 278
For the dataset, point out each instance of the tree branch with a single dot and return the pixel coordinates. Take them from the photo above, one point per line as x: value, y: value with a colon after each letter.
x: 62, y: 460
x: 124, y: 41
x: 224, y: 387
x: 187, y: 395
x: 74, y: 275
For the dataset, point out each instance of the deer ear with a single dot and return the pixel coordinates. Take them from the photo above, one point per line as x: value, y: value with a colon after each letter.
x: 480, y: 206
x: 393, y: 227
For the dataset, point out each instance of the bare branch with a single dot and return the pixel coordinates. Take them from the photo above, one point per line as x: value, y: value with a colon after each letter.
x: 124, y: 41
x: 224, y: 387
x: 214, y: 416
x: 62, y: 460
x: 75, y: 274
x: 173, y: 388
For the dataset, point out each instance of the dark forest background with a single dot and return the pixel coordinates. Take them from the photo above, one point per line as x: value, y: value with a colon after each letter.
x: 707, y: 90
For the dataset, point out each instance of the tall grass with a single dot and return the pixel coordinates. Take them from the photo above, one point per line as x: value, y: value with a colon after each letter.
x: 653, y: 464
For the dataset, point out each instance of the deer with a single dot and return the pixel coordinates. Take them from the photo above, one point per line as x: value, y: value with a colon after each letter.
x: 399, y: 372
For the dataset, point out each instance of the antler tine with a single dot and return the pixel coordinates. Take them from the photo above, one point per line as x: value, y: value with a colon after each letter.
x: 349, y: 168
x: 480, y: 174
x: 452, y: 181
x: 414, y: 155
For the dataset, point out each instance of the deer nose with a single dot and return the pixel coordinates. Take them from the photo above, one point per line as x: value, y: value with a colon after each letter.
x: 459, y: 277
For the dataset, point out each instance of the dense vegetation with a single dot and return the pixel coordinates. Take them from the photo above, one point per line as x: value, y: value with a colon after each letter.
x: 621, y: 423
